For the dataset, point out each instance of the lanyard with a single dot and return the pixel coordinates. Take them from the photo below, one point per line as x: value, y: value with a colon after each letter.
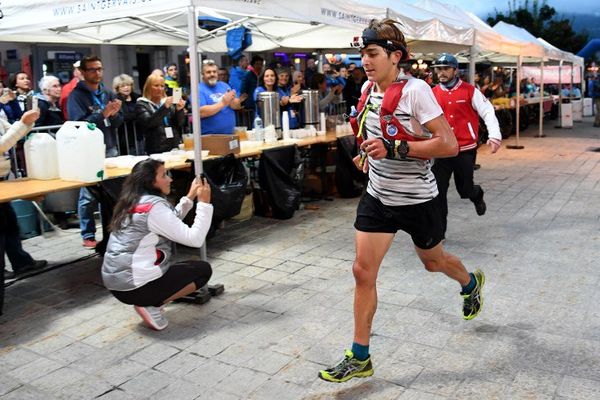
x: 98, y: 99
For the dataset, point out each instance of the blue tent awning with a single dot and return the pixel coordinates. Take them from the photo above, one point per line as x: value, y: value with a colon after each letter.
x: 590, y: 49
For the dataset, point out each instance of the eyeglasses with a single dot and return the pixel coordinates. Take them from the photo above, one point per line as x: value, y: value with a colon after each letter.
x: 100, y: 69
x: 208, y: 62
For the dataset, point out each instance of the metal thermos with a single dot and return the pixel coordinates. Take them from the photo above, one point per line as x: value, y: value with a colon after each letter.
x: 311, y: 107
x: 268, y: 103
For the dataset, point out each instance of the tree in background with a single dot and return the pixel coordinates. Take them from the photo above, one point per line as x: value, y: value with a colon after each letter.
x: 542, y: 21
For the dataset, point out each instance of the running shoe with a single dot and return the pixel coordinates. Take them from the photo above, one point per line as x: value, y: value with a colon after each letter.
x: 480, y: 206
x: 350, y: 367
x: 153, y: 317
x: 473, y: 302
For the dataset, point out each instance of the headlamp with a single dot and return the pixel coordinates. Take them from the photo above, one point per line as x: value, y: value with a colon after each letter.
x: 369, y: 36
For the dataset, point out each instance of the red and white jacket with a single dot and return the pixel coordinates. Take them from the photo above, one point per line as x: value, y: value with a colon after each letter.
x: 462, y: 106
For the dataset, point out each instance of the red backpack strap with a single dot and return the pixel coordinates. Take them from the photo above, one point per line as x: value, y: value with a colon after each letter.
x: 363, y: 97
x: 391, y: 127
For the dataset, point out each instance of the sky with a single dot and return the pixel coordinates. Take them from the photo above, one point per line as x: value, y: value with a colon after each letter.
x: 484, y: 8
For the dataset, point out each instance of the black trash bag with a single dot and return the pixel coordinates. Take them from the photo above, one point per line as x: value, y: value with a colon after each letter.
x: 228, y: 181
x: 278, y: 177
x: 349, y: 180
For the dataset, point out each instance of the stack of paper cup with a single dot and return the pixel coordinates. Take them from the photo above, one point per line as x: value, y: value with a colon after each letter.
x: 322, y: 124
x: 285, y: 125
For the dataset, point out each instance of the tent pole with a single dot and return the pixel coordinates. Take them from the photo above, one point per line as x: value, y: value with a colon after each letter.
x: 472, y: 66
x: 194, y: 74
x: 560, y: 96
x: 518, y: 104
x: 571, y: 87
x: 541, y: 127
x: 321, y: 61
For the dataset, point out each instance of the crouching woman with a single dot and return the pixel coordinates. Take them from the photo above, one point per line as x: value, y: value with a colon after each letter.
x: 139, y: 267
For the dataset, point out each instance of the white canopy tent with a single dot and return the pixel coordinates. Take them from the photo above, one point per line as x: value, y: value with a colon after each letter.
x: 313, y: 24
x: 488, y: 45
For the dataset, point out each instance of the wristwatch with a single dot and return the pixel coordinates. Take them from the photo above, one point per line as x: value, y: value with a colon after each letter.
x: 402, y: 149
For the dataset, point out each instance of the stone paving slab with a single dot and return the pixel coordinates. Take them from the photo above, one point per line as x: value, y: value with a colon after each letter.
x: 287, y: 309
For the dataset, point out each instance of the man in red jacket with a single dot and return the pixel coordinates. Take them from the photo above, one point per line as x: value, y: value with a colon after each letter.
x: 68, y: 88
x: 462, y: 104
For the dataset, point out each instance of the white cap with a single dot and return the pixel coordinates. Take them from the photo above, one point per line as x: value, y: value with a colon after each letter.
x: 76, y: 64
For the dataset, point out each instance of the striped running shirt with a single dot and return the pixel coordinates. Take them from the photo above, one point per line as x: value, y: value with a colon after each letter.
x: 403, y: 182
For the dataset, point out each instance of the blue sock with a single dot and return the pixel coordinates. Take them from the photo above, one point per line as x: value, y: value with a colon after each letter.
x: 360, y: 352
x: 469, y: 288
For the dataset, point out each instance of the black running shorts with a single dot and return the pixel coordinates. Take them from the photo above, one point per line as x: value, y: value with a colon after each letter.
x: 423, y: 222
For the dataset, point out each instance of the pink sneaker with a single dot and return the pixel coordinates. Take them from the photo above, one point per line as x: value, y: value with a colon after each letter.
x: 89, y: 243
x: 153, y: 317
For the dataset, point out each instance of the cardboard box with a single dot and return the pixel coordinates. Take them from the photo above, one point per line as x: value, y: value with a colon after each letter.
x: 221, y: 144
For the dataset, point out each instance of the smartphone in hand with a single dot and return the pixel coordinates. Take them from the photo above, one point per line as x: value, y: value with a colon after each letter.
x: 34, y: 104
x: 176, y: 95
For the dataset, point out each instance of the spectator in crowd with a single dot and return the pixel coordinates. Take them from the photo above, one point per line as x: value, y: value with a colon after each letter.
x: 498, y: 90
x: 22, y: 85
x: 250, y: 81
x: 217, y: 101
x: 310, y: 70
x: 327, y: 96
x: 267, y: 82
x: 351, y: 68
x: 10, y: 241
x: 9, y: 105
x: 477, y: 82
x: 48, y: 103
x: 533, y: 87
x: 486, y: 87
x: 158, y: 118
x: 91, y: 102
x: 237, y: 73
x: 298, y: 82
x: 171, y: 78
x: 289, y: 102
x: 595, y: 93
x: 343, y: 72
x: 223, y: 75
x: 575, y: 92
x: 139, y: 266
x: 123, y: 87
x: 68, y: 88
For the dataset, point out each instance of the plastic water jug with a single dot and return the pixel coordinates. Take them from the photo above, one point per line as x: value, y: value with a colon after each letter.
x: 41, y: 157
x: 81, y: 152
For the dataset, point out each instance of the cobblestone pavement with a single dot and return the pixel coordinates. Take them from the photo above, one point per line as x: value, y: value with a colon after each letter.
x: 287, y: 309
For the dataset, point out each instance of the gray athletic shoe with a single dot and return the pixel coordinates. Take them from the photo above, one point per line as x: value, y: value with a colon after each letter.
x: 153, y: 317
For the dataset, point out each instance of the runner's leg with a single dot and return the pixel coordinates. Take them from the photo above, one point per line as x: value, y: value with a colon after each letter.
x: 370, y: 250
